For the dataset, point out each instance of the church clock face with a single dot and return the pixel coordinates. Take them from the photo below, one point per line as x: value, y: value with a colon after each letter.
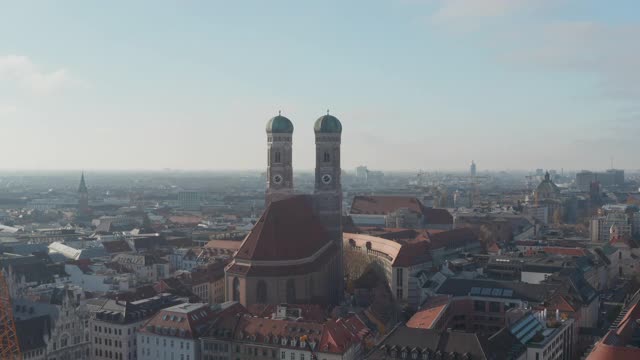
x: 326, y: 179
x: 277, y: 179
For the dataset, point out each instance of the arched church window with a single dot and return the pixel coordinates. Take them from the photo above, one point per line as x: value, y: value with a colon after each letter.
x: 236, y: 289
x: 327, y: 157
x: 277, y: 156
x: 291, y: 291
x: 261, y: 292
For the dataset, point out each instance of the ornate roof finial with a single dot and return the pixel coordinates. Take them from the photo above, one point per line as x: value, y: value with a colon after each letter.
x: 279, y: 112
x: 327, y: 111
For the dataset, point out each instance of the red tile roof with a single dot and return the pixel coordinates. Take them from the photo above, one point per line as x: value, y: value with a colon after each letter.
x: 183, y: 321
x: 452, y: 238
x: 224, y: 244
x: 287, y: 230
x: 564, y: 251
x: 383, y: 205
x: 431, y: 312
x: 412, y: 254
x: 603, y: 351
x: 334, y: 336
x: 283, y: 270
x: 613, y: 345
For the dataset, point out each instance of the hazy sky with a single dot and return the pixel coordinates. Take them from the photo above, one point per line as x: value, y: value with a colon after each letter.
x: 416, y: 83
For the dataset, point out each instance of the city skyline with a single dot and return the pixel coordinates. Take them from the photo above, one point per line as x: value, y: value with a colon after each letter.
x: 510, y: 84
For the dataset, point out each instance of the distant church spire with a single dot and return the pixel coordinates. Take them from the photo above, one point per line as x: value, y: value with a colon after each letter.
x: 83, y: 187
x: 83, y: 200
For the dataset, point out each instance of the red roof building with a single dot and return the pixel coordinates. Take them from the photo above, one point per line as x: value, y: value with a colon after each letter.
x: 288, y: 257
x: 621, y: 342
x: 386, y: 211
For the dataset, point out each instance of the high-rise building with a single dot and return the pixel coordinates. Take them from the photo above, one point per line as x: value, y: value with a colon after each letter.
x: 611, y: 177
x: 361, y: 174
x: 601, y: 226
x: 472, y: 169
x: 189, y: 200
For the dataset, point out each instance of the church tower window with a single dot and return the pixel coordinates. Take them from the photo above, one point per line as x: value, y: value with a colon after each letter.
x: 291, y: 291
x: 236, y: 289
x: 261, y: 292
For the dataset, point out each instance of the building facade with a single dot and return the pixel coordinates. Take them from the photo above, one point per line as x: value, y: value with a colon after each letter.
x: 173, y: 333
x: 114, y: 324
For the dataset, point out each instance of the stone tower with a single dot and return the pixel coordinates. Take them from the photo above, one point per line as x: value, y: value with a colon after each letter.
x: 279, y: 151
x: 328, y: 188
x: 83, y: 200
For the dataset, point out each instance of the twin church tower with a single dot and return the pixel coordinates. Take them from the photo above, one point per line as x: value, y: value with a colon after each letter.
x: 328, y: 131
x: 293, y: 254
x: 327, y: 197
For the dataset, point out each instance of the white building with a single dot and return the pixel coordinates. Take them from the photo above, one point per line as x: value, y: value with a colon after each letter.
x: 601, y: 226
x: 67, y: 335
x: 99, y: 279
x: 545, y: 339
x: 148, y: 267
x: 114, y: 325
x: 172, y: 334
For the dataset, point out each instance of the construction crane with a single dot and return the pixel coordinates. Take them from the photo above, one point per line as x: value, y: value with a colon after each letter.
x: 9, y: 346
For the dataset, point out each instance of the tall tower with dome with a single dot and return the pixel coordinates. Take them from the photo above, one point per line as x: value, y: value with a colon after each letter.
x: 328, y: 186
x: 293, y: 254
x: 279, y: 159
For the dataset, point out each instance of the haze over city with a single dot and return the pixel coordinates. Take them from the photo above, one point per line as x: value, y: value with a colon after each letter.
x: 417, y: 84
x: 333, y: 180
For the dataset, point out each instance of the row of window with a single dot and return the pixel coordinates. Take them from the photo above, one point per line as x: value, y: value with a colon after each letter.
x: 215, y: 347
x: 110, y: 354
x: 480, y: 306
x: 109, y: 342
x: 183, y: 344
x: 64, y: 341
x: 147, y: 352
x: 108, y: 330
x: 214, y: 357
